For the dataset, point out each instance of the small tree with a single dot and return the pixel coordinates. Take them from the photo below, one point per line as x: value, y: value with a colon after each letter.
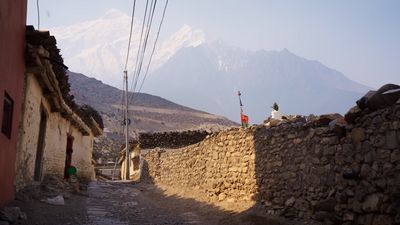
x: 275, y: 106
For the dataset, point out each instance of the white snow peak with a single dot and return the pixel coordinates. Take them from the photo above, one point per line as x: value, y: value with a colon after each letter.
x: 97, y: 48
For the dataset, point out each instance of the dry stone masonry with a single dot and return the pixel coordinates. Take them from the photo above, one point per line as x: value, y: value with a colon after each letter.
x: 300, y: 171
x: 172, y: 139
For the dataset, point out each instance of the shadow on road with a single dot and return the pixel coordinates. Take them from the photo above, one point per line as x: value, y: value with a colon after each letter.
x: 190, y: 211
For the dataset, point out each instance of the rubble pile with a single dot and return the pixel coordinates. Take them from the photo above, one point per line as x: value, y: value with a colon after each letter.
x: 51, y: 186
x: 53, y: 190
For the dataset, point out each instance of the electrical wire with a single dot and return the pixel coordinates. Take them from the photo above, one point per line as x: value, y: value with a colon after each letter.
x: 141, y: 55
x: 140, y: 43
x: 130, y: 34
x: 124, y: 119
x: 154, y: 46
x: 143, y: 42
x: 149, y: 23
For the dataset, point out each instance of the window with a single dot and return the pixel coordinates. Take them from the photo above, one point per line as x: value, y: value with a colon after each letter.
x: 8, y: 106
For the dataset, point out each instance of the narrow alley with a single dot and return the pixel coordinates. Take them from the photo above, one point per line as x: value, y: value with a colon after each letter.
x: 120, y: 203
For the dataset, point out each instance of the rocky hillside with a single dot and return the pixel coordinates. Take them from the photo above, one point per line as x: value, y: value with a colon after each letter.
x: 148, y: 113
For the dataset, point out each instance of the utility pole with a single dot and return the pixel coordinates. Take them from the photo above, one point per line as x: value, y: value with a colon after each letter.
x: 126, y: 123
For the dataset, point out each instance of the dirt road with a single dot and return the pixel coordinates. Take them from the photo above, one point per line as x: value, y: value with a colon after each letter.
x: 135, y: 203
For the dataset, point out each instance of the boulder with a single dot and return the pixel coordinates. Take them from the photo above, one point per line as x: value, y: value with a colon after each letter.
x: 371, y: 203
x: 352, y: 115
x: 386, y: 95
x: 362, y: 102
x: 358, y: 134
x: 327, y: 205
x: 272, y: 122
x: 324, y: 120
x: 339, y: 126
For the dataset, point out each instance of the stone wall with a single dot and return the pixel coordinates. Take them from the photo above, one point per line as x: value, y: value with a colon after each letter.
x: 171, y: 139
x: 300, y: 171
x: 222, y: 166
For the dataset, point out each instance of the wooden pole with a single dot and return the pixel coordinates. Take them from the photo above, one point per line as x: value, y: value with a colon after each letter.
x: 126, y: 122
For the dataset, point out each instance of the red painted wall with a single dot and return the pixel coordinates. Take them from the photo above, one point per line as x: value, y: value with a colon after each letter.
x: 12, y: 69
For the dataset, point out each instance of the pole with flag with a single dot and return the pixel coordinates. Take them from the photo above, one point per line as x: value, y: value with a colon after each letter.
x: 243, y: 118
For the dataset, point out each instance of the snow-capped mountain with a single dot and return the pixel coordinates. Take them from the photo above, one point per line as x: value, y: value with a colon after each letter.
x: 208, y: 77
x: 192, y: 72
x: 98, y: 48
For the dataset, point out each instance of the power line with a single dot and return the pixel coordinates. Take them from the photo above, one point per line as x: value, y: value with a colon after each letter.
x: 154, y: 46
x: 130, y: 34
x: 140, y: 43
x: 142, y: 50
x: 144, y: 36
x: 149, y: 23
x: 127, y: 55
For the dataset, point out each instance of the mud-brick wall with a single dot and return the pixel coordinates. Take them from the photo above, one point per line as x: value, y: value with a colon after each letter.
x: 299, y: 172
x: 222, y: 166
x: 55, y: 141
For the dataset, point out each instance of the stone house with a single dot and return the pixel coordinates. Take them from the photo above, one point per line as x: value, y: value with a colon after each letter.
x: 134, y: 163
x: 53, y: 134
x: 12, y: 34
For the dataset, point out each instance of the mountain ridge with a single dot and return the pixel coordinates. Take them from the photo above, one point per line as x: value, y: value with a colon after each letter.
x: 191, y: 71
x: 98, y: 47
x: 149, y: 113
x: 301, y: 86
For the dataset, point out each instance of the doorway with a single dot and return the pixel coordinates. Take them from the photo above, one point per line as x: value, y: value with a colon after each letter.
x: 40, y: 146
x: 68, y: 155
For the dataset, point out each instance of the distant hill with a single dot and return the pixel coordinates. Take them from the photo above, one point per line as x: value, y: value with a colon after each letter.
x: 148, y: 113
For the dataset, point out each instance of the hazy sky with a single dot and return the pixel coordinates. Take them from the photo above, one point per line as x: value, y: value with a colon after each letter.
x: 360, y: 38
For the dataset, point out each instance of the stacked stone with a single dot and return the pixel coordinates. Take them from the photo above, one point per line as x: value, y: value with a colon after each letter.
x: 308, y: 172
x: 230, y: 166
x: 222, y: 166
x: 293, y: 168
x: 171, y: 139
x: 373, y: 196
